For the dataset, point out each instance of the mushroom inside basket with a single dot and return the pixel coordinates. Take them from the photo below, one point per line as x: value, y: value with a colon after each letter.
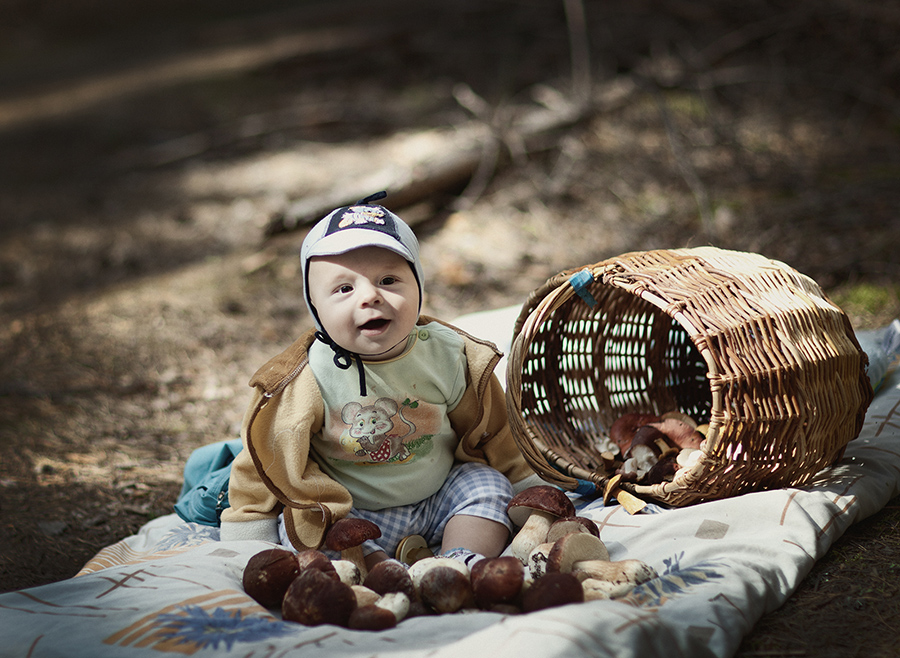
x: 765, y: 371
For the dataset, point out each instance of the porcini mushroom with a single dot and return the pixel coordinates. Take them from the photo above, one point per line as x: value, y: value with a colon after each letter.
x: 623, y: 428
x: 570, y: 524
x: 442, y: 583
x: 347, y: 572
x: 313, y: 598
x: 554, y: 589
x: 626, y: 572
x: 537, y: 560
x: 268, y: 575
x: 497, y: 580
x: 364, y: 595
x: 391, y: 576
x: 313, y: 559
x: 534, y: 510
x: 573, y: 548
x: 646, y: 447
x: 347, y: 536
x: 679, y: 432
x: 386, y: 612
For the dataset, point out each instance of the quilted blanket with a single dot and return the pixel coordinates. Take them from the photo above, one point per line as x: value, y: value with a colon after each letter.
x: 174, y: 588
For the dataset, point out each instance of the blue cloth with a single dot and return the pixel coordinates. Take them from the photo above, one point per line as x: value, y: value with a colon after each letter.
x: 204, y: 493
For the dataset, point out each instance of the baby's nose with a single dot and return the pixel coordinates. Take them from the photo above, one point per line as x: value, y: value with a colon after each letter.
x: 369, y: 294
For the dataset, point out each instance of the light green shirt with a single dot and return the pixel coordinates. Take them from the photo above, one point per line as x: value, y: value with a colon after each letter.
x: 395, y: 446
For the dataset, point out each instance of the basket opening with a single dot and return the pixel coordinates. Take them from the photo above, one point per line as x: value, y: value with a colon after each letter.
x: 586, y: 366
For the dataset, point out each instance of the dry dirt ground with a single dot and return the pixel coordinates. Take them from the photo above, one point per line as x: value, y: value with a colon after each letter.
x: 146, y: 148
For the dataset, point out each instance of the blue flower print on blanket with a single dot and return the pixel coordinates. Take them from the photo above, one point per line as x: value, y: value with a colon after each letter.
x: 674, y: 582
x: 196, y: 628
x: 187, y: 534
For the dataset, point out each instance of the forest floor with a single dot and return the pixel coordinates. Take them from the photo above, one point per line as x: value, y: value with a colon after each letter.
x: 153, y: 156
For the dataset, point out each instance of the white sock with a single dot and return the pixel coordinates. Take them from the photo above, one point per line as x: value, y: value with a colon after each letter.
x: 464, y: 555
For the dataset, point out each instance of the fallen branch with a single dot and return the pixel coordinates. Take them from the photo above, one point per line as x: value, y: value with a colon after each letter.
x: 414, y: 167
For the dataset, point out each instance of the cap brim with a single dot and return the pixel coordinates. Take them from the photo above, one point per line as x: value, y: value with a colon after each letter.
x: 351, y: 238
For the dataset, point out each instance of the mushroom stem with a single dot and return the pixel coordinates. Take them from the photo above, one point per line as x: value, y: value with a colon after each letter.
x: 533, y: 533
x: 623, y: 572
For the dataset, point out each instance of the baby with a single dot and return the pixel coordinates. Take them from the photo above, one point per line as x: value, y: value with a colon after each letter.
x: 379, y: 413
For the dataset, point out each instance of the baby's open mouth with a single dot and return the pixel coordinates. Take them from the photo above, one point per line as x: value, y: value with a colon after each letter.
x: 375, y: 325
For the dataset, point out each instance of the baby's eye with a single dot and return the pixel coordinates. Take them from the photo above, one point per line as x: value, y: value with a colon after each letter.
x: 345, y: 288
x: 388, y: 280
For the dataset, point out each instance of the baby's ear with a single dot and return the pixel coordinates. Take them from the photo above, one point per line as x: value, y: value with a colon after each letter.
x: 348, y: 413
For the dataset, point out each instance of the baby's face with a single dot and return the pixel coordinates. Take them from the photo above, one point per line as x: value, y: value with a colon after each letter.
x: 367, y: 300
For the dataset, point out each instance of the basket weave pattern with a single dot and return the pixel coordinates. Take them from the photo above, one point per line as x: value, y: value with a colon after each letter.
x: 743, y: 343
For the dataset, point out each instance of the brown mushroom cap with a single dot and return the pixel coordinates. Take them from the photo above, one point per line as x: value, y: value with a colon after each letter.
x: 314, y: 598
x: 623, y: 428
x: 313, y: 559
x: 390, y: 576
x: 268, y: 575
x: 497, y: 580
x: 571, y: 524
x: 443, y: 583
x: 542, y: 497
x: 651, y: 437
x: 679, y: 432
x: 349, y: 532
x: 552, y: 590
x: 371, y: 618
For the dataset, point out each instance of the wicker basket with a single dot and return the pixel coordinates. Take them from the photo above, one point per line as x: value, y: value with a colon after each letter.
x: 743, y: 343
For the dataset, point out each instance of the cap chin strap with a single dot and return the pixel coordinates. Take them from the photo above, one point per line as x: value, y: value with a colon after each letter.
x: 343, y: 358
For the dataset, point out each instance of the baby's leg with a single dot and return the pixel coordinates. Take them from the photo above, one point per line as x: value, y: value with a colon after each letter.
x: 479, y: 535
x: 474, y: 502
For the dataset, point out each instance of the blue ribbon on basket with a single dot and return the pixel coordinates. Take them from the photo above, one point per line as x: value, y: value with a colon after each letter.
x: 580, y: 282
x: 586, y: 488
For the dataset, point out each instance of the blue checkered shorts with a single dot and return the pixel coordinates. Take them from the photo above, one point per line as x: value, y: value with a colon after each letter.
x: 470, y: 489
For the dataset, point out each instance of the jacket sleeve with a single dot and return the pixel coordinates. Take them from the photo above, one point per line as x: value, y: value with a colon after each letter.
x: 275, y: 470
x: 482, y: 423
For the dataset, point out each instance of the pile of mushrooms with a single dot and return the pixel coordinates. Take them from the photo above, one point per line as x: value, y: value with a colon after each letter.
x: 556, y: 558
x: 563, y: 552
x: 650, y: 449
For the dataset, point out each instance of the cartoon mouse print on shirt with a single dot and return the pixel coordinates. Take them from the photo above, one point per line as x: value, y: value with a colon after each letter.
x: 368, y: 434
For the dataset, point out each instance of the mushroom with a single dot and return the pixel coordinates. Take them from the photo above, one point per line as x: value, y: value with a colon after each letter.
x: 391, y: 576
x: 664, y: 469
x: 268, y: 574
x: 347, y: 535
x: 537, y: 560
x: 364, y: 595
x: 386, y: 612
x: 442, y: 583
x: 371, y: 617
x: 679, y: 432
x: 623, y: 428
x: 314, y: 598
x: 313, y: 559
x: 595, y: 590
x: 497, y: 580
x: 631, y: 571
x: 554, y: 589
x: 573, y: 548
x: 688, y: 457
x: 571, y: 524
x: 534, y: 510
x: 646, y: 447
x: 347, y: 572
